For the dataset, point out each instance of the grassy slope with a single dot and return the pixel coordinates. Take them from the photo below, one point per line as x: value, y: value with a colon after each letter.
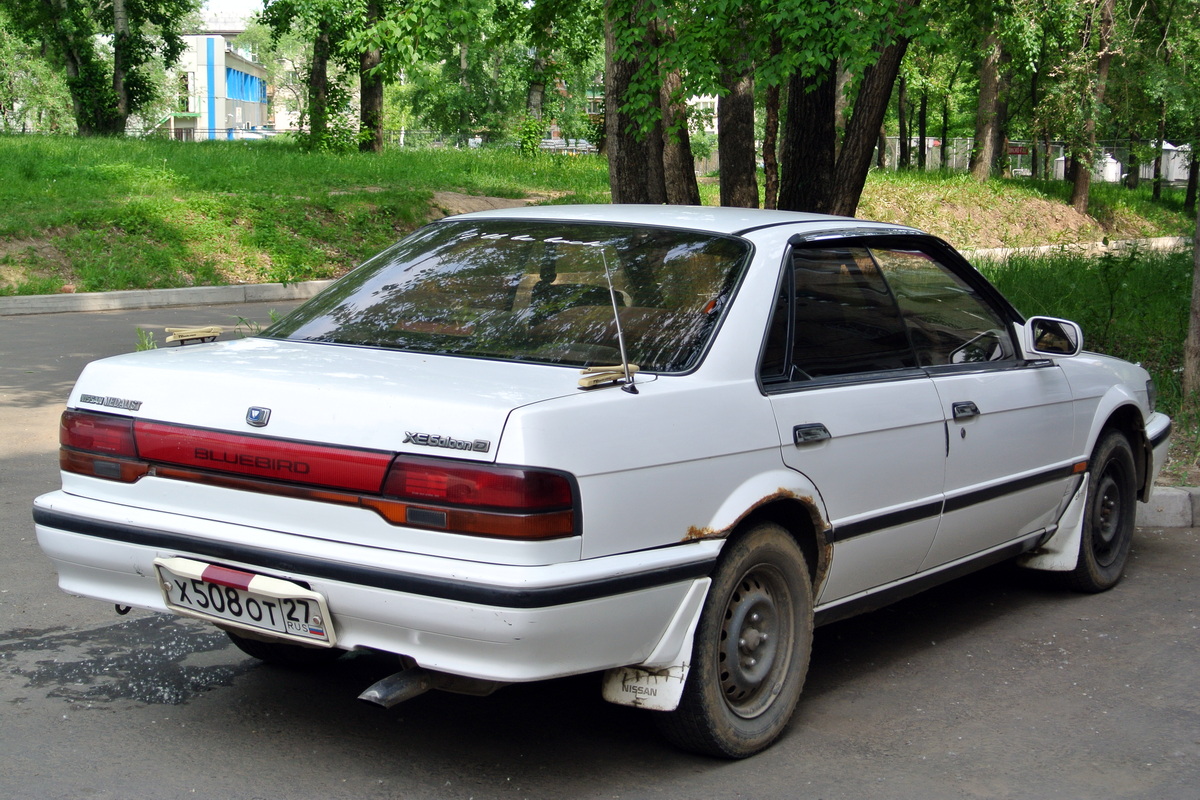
x: 124, y: 214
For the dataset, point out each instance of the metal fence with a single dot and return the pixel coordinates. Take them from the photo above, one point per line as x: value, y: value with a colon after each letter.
x: 1112, y: 160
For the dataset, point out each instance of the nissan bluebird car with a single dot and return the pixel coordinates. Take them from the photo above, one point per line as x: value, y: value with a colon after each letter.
x: 660, y: 443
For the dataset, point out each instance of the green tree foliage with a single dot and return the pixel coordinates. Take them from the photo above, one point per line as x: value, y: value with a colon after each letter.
x: 107, y: 49
x: 32, y: 96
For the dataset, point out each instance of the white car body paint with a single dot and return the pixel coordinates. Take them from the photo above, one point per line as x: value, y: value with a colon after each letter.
x: 900, y: 493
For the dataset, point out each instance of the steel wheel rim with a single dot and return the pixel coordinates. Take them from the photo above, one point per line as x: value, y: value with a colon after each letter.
x: 1108, y: 514
x: 756, y: 641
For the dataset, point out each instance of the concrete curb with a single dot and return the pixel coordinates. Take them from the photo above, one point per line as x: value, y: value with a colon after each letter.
x: 159, y: 298
x: 1085, y: 248
x: 1170, y: 507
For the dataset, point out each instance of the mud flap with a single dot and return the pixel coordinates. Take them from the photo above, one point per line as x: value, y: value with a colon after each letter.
x: 657, y: 683
x: 1061, y: 552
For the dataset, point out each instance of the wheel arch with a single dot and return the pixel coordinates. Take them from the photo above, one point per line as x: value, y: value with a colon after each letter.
x: 804, y: 523
x: 1126, y: 419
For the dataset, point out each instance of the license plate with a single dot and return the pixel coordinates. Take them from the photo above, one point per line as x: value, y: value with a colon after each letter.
x: 244, y: 600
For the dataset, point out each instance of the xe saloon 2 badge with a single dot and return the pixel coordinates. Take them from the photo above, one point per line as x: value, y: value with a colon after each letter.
x: 434, y: 440
x: 258, y: 417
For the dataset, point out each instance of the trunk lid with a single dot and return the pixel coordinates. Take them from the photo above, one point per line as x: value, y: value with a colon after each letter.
x: 348, y: 396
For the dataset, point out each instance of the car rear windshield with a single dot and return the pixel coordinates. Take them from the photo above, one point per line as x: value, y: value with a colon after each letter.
x: 536, y: 291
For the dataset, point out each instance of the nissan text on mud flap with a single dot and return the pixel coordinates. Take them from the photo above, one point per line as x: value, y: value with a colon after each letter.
x: 658, y: 442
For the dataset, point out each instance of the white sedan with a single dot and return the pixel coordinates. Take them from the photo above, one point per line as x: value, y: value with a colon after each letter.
x: 659, y: 442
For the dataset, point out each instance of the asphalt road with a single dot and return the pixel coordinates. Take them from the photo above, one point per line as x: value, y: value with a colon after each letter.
x: 995, y: 686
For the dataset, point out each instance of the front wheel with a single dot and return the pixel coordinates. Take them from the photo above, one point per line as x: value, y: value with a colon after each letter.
x: 1109, y: 516
x: 751, y: 649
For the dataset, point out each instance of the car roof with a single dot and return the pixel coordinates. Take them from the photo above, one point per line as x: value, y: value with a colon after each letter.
x: 713, y: 219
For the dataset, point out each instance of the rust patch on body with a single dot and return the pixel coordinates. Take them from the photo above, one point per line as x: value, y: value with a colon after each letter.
x: 819, y: 526
x: 695, y: 533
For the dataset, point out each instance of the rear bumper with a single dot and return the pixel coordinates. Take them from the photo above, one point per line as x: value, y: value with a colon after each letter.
x: 489, y: 621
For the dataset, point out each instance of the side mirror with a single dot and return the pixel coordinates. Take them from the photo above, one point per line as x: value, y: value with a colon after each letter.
x: 1048, y: 336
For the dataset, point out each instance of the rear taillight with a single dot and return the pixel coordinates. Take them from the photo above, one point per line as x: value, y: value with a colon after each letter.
x: 437, y: 494
x: 97, y: 433
x: 99, y: 445
x: 501, y: 488
x: 485, y: 500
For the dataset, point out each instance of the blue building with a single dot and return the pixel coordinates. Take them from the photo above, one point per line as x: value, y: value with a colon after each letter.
x: 222, y: 91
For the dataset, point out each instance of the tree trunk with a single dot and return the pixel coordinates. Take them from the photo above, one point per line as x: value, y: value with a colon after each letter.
x: 841, y: 105
x: 922, y: 131
x: 679, y: 167
x: 1133, y: 166
x: 905, y: 149
x: 735, y: 138
x: 1189, y: 199
x: 1033, y: 148
x: 464, y: 83
x: 536, y: 96
x: 945, y: 131
x: 808, y: 157
x: 880, y: 148
x: 983, y: 155
x: 816, y: 175
x: 635, y: 172
x: 318, y: 87
x: 1162, y: 153
x: 370, y: 88
x: 120, y: 51
x: 854, y: 161
x: 1082, y: 181
x: 771, y: 137
x: 1191, y: 349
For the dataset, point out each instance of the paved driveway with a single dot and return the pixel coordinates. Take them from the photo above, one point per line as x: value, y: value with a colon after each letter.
x: 994, y: 686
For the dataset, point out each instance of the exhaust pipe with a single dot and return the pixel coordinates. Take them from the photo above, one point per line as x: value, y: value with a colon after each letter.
x: 398, y: 687
x: 415, y: 681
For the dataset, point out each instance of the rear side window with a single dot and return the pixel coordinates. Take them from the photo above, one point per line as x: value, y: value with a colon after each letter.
x: 844, y: 320
x: 533, y: 291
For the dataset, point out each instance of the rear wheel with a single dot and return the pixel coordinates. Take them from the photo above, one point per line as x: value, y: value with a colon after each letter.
x: 285, y: 654
x: 1109, y: 516
x: 751, y: 649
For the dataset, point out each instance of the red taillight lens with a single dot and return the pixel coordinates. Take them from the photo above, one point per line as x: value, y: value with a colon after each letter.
x: 102, y: 434
x: 504, y: 488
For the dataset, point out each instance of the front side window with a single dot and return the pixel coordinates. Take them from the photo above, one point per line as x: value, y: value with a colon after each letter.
x: 850, y: 310
x: 949, y: 322
x: 533, y: 291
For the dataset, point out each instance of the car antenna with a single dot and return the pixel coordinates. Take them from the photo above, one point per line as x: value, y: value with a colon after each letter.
x: 612, y: 295
x: 596, y: 375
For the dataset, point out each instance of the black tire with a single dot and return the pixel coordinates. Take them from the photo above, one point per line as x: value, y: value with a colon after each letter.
x: 1109, y: 516
x: 285, y: 654
x: 751, y: 649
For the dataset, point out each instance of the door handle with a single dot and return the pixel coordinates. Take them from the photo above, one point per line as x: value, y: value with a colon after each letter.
x: 965, y: 410
x: 810, y: 433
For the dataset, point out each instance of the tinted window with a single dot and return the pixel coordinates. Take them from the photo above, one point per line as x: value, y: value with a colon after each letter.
x: 534, y: 291
x: 844, y: 318
x: 949, y: 322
